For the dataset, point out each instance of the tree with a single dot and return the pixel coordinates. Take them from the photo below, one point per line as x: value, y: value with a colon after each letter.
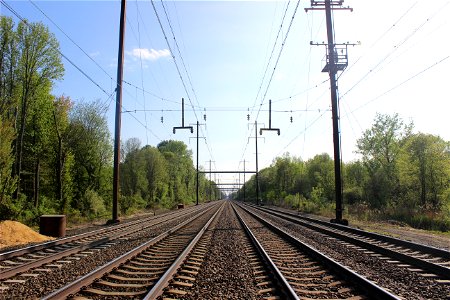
x: 181, y: 170
x: 90, y: 142
x: 7, y: 181
x: 425, y: 169
x: 156, y: 175
x: 320, y: 170
x: 380, y: 146
x: 39, y: 64
x: 8, y: 66
x: 63, y: 158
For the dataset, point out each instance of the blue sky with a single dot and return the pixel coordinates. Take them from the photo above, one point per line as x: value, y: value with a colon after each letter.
x: 400, y: 67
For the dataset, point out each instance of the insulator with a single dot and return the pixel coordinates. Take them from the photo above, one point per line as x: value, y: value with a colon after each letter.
x: 204, y: 117
x: 248, y: 117
x: 162, y: 119
x: 291, y: 119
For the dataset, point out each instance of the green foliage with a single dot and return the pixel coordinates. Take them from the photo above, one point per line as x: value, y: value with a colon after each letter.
x: 7, y: 181
x: 380, y: 147
x: 93, y: 205
x: 401, y: 176
x: 159, y: 177
x: 89, y: 141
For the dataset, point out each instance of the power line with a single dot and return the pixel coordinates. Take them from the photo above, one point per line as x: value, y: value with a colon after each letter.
x: 279, y: 55
x: 401, y: 83
x: 271, y: 54
x: 142, y: 68
x: 395, y: 48
x: 110, y: 95
x: 276, y: 64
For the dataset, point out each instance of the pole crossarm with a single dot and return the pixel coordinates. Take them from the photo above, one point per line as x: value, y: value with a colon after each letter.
x: 270, y: 122
x: 229, y: 184
x: 191, y: 128
x: 321, y: 5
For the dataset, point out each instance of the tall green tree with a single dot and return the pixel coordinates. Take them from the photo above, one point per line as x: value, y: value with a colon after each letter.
x: 39, y: 64
x: 90, y: 142
x: 8, y: 67
x: 320, y: 170
x: 62, y: 157
x: 380, y: 147
x: 7, y: 181
x: 156, y: 175
x: 425, y: 170
x: 181, y: 170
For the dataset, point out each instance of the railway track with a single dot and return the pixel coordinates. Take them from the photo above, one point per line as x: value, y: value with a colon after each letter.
x: 233, y: 252
x: 140, y: 270
x: 420, y: 258
x: 266, y: 280
x: 310, y: 273
x: 397, y: 273
x: 21, y: 265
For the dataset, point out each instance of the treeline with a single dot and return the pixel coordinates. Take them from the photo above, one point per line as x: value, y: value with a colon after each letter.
x: 56, y: 155
x: 401, y: 175
x: 161, y: 176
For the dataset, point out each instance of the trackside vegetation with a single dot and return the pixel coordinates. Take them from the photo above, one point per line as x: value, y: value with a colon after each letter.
x: 401, y: 175
x: 56, y: 154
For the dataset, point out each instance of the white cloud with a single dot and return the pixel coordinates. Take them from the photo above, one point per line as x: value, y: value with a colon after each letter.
x: 149, y: 54
x: 94, y: 54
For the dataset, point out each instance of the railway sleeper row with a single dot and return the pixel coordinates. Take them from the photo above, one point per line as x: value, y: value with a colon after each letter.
x: 136, y: 272
x: 310, y: 273
x: 184, y: 280
x: 18, y: 269
x: 427, y: 264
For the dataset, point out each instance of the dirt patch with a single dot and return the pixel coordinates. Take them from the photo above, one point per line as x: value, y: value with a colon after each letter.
x: 434, y: 239
x: 14, y: 233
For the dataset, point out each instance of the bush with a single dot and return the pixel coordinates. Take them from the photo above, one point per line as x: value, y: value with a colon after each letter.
x: 94, y: 207
x: 131, y: 204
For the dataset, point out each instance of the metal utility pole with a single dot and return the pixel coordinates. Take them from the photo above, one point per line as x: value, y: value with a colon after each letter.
x: 197, y: 164
x: 118, y: 119
x: 197, y: 187
x: 256, y: 171
x: 257, y: 179
x: 244, y: 181
x: 335, y: 62
x: 210, y: 182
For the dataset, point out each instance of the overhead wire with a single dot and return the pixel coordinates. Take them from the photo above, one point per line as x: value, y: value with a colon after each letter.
x: 94, y: 61
x: 395, y: 48
x: 276, y: 63
x: 110, y: 95
x: 402, y: 83
x: 184, y: 67
x: 141, y: 63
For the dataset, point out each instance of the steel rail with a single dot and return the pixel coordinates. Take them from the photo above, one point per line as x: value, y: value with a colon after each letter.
x: 437, y: 269
x: 48, y: 259
x: 91, y: 277
x: 364, y: 284
x: 66, y: 240
x: 414, y: 246
x: 284, y: 286
x: 15, y: 270
x: 158, y: 289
